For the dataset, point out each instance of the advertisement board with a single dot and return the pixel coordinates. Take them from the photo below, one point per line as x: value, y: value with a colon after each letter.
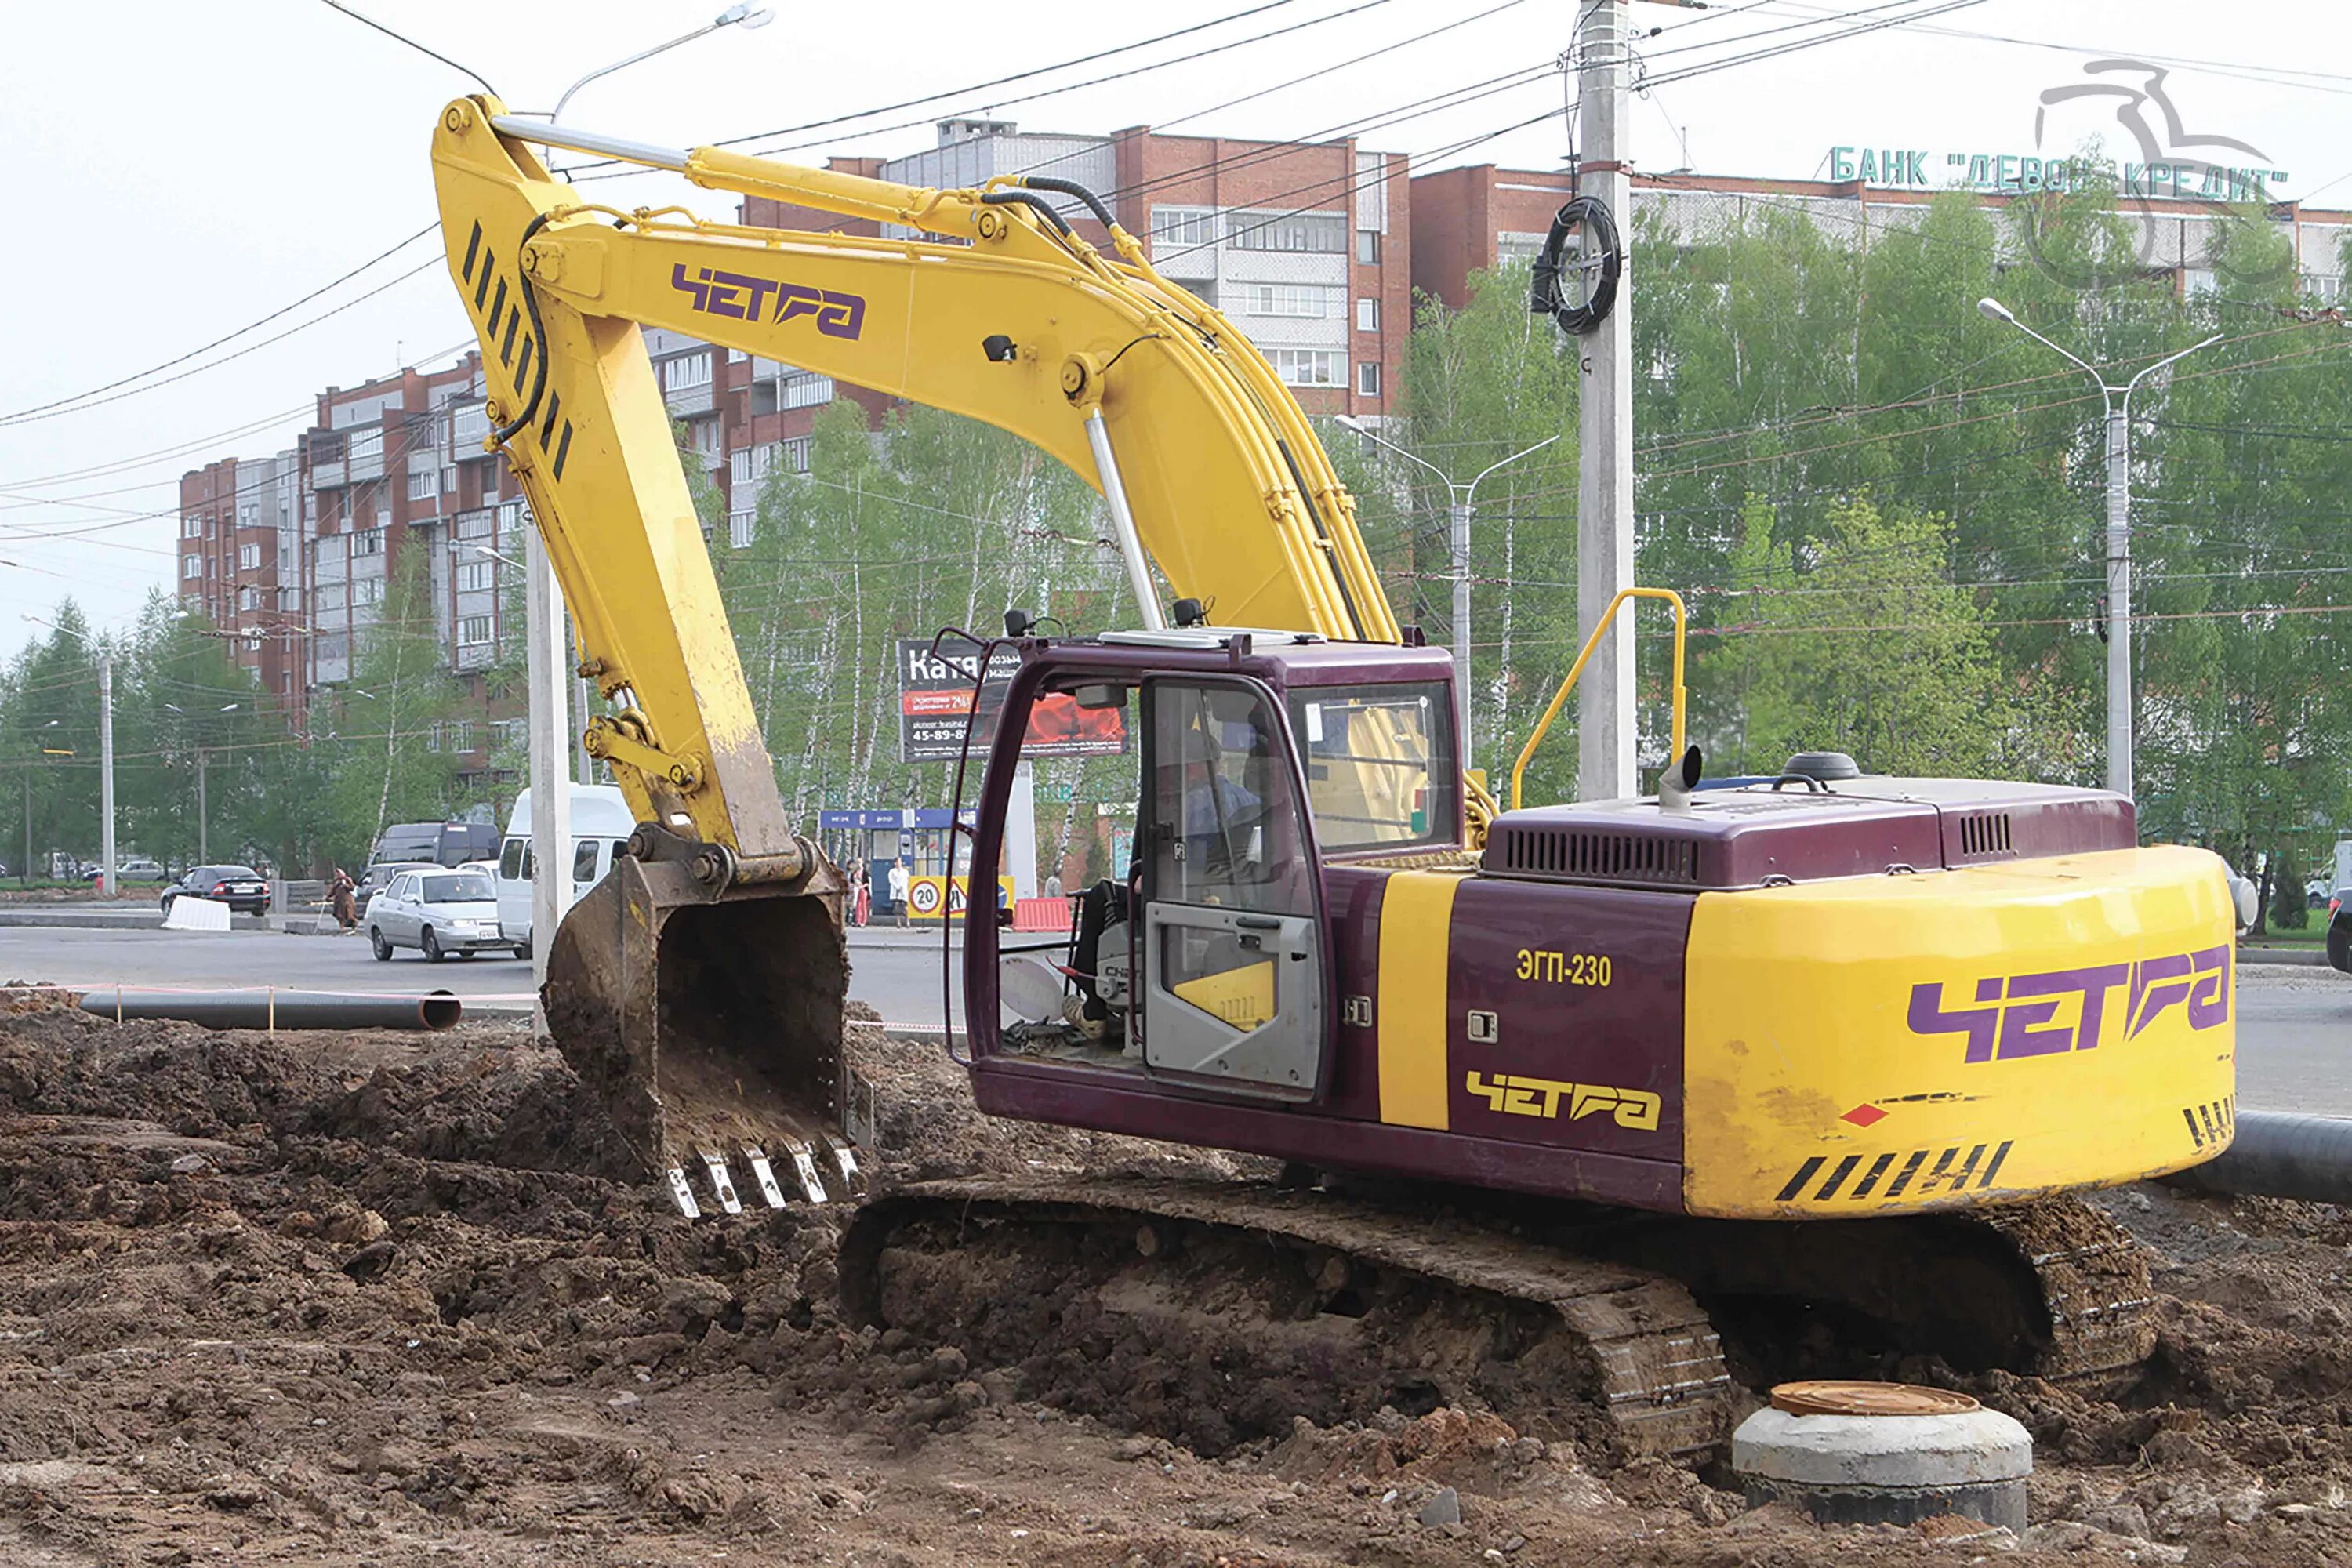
x: 935, y: 696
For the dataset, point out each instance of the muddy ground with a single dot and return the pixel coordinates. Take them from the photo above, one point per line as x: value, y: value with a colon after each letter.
x: 375, y: 1298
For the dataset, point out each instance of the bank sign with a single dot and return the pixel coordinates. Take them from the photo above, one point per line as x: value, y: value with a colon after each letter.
x: 938, y: 700
x: 2018, y: 173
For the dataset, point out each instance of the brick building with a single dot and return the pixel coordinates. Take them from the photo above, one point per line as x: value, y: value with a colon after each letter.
x: 240, y: 553
x: 1471, y: 218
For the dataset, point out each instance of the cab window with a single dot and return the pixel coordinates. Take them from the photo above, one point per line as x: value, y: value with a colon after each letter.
x: 1379, y: 764
x: 584, y: 860
x: 511, y: 860
x: 1225, y: 829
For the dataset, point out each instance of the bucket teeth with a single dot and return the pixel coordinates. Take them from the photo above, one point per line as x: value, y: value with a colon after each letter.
x: 722, y: 1185
x: 804, y: 1167
x: 683, y: 1195
x: 845, y: 1159
x: 766, y: 1174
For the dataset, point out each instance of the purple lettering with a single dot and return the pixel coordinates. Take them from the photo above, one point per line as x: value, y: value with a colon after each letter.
x: 792, y: 299
x: 701, y: 291
x: 1927, y: 1017
x: 843, y: 315
x: 2149, y: 999
x: 2091, y: 985
x: 2021, y: 1037
x: 2209, y: 1001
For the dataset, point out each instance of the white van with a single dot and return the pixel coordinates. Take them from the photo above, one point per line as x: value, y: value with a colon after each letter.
x: 600, y: 824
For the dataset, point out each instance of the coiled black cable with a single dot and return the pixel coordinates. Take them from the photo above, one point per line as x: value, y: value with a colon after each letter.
x: 1591, y: 215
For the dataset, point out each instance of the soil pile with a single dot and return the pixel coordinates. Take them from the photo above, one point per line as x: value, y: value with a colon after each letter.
x: 361, y: 1296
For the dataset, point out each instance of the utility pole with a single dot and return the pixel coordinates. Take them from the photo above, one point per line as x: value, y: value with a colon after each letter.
x: 106, y: 883
x: 2120, y: 719
x: 1464, y: 505
x: 550, y: 790
x: 1604, y: 511
x: 204, y: 845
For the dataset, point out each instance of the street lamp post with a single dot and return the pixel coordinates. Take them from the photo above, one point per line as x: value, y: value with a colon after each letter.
x: 2118, y: 400
x: 747, y: 16
x: 1463, y: 498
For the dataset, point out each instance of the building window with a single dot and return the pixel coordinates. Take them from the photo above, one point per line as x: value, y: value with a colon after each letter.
x: 192, y: 528
x: 252, y: 644
x: 470, y: 429
x: 1307, y: 367
x: 423, y: 485
x: 740, y: 525
x: 1182, y: 228
x: 249, y: 597
x: 1367, y: 378
x: 472, y: 631
x: 289, y: 598
x: 686, y: 370
x: 331, y: 596
x: 802, y: 390
x: 1307, y: 299
x: 1367, y: 315
x: 1368, y: 247
x: 475, y: 524
x: 368, y: 542
x: 367, y: 591
x: 192, y: 566
x: 245, y: 515
x: 433, y: 733
x: 1323, y: 233
x: 476, y: 576
x: 795, y: 453
x: 461, y: 732
x: 366, y: 443
x: 248, y: 557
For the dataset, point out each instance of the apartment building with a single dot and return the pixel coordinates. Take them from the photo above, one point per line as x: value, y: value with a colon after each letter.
x: 241, y: 548
x: 1467, y: 219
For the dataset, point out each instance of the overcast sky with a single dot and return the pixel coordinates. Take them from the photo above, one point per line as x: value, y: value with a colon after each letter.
x: 179, y: 170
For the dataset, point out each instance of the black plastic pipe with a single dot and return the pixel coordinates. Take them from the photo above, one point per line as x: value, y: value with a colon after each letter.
x: 2276, y: 1154
x: 278, y: 1009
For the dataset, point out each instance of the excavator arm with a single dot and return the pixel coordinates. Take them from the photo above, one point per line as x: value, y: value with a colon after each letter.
x: 699, y: 989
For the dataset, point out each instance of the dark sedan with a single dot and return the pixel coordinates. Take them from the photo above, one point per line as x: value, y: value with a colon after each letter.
x: 241, y: 887
x: 2339, y: 932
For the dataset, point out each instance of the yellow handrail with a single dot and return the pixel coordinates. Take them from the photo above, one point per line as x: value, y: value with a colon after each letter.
x: 1559, y: 698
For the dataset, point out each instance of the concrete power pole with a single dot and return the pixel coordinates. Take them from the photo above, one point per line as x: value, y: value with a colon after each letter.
x: 106, y: 881
x: 1605, y: 513
x: 203, y: 843
x: 551, y: 754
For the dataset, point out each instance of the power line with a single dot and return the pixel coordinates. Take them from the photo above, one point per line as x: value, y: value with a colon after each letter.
x: 22, y: 414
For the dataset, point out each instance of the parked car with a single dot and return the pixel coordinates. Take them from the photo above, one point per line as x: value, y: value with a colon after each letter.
x: 372, y: 881
x: 435, y: 911
x: 138, y: 869
x: 241, y: 887
x: 435, y: 843
x: 2339, y: 932
x: 600, y: 824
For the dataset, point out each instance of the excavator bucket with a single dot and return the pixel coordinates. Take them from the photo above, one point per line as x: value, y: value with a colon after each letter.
x: 704, y: 1007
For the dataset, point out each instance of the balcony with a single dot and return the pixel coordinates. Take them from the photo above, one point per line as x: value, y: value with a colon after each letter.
x: 327, y: 475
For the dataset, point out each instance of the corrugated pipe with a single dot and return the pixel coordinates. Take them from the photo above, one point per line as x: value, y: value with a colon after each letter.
x: 2276, y: 1154
x: 270, y: 1009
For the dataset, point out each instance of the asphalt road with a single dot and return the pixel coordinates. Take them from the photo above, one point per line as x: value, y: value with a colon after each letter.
x: 2295, y: 1025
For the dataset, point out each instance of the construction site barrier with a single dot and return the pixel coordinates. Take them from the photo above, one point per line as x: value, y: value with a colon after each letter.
x: 1041, y: 914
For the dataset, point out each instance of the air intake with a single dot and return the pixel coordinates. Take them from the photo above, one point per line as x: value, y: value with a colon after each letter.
x: 1586, y: 855
x: 1985, y: 834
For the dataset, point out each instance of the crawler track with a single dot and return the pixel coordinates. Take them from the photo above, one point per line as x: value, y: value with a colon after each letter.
x: 1215, y: 1313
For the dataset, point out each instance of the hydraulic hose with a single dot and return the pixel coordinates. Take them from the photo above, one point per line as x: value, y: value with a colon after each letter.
x: 1592, y: 216
x: 250, y: 1009
x: 2279, y: 1154
x: 538, y: 330
x: 1072, y: 188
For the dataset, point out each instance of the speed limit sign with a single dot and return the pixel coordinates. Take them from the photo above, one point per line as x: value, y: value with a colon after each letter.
x: 924, y: 894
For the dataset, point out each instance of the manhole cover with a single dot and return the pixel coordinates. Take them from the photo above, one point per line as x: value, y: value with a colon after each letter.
x: 1844, y: 1397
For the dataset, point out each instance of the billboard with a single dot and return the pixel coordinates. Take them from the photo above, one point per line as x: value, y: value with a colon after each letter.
x: 935, y: 696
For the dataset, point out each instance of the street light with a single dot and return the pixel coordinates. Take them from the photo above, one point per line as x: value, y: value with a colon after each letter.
x: 1465, y: 498
x: 106, y: 886
x: 2118, y: 400
x: 747, y: 16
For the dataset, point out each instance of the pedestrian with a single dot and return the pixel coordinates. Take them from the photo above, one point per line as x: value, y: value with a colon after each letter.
x: 861, y: 899
x: 897, y: 888
x: 344, y: 897
x: 1053, y: 885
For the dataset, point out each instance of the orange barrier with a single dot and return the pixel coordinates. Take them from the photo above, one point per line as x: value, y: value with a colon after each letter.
x: 1041, y: 914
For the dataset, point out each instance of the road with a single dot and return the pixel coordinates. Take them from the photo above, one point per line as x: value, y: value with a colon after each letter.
x: 2294, y: 1025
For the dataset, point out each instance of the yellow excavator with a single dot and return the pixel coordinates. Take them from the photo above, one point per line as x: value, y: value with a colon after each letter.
x: 1559, y: 1089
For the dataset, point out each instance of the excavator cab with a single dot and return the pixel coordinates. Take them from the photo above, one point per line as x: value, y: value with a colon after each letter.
x: 1203, y: 964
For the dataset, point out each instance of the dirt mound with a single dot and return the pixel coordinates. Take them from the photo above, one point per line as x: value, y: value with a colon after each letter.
x: 335, y: 1297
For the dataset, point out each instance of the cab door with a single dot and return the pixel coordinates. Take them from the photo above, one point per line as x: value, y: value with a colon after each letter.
x: 1234, y: 980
